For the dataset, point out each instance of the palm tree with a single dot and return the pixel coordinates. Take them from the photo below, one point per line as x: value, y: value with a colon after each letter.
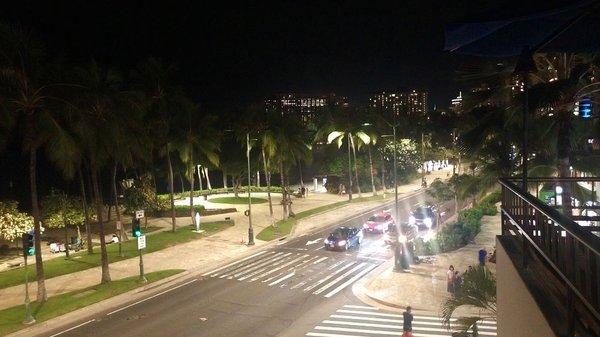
x: 153, y: 82
x: 29, y: 106
x: 478, y: 290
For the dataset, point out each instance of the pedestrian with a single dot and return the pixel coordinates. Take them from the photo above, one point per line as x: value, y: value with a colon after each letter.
x: 493, y: 256
x: 450, y: 279
x: 407, y: 319
x: 482, y: 256
x: 469, y: 268
x: 340, y: 189
x: 457, y: 282
x: 303, y: 191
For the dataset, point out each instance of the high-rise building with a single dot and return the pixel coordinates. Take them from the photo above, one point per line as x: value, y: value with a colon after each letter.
x: 306, y: 107
x: 456, y: 106
x: 400, y: 103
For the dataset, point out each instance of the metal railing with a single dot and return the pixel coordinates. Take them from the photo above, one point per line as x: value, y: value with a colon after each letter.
x: 571, y: 251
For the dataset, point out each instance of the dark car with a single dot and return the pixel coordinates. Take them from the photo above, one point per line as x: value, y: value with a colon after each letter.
x: 424, y: 216
x: 378, y: 223
x: 343, y: 238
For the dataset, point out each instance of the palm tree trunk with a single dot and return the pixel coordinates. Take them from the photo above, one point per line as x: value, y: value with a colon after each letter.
x: 98, y: 198
x: 225, y: 179
x: 371, y: 167
x: 355, y: 165
x: 181, y: 181
x: 199, y: 169
x: 383, y: 174
x: 88, y: 234
x: 171, y: 189
x: 300, y: 171
x: 191, y: 170
x: 349, y: 188
x: 268, y: 179
x: 66, y: 234
x: 116, y: 201
x: 39, y: 267
x: 283, y: 191
x: 208, y: 185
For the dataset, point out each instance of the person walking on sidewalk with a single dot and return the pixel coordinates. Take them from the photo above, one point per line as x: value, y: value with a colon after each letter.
x: 407, y: 319
x: 482, y: 256
x: 450, y: 279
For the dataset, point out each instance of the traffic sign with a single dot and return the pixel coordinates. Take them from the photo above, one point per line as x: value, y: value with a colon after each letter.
x: 139, y: 214
x: 142, y: 242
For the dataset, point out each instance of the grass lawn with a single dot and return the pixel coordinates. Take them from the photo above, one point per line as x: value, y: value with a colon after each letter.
x: 59, y: 305
x: 284, y: 227
x: 81, y: 260
x: 238, y: 200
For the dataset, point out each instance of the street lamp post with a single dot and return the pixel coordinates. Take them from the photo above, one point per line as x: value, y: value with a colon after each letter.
x: 250, y: 229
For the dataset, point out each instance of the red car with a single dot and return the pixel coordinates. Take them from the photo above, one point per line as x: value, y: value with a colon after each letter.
x: 378, y: 223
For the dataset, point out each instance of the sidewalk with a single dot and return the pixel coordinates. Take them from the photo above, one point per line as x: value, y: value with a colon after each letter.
x: 217, y: 249
x: 424, y: 288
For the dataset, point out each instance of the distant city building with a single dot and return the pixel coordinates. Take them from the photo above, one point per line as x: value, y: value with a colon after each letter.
x: 306, y: 107
x: 400, y: 103
x: 456, y: 104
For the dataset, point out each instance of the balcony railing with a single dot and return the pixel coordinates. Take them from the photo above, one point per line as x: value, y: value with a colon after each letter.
x: 569, y: 250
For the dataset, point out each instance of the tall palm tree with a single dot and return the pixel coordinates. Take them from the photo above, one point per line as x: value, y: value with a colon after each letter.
x: 157, y: 94
x: 30, y: 110
x: 478, y: 290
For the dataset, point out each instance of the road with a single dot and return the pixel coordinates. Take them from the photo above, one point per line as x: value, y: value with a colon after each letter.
x: 293, y: 289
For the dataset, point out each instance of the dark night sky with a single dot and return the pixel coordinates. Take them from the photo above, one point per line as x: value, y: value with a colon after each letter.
x: 242, y: 52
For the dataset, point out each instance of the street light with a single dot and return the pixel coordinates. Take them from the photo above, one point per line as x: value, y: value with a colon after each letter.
x: 250, y: 229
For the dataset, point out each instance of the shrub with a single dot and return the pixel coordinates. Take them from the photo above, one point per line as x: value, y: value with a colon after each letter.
x: 143, y: 196
x: 492, y: 198
x: 471, y: 219
x: 487, y: 208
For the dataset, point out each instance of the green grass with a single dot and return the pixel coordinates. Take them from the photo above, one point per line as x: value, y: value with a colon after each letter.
x: 81, y: 260
x: 61, y: 304
x: 238, y: 200
x: 284, y: 227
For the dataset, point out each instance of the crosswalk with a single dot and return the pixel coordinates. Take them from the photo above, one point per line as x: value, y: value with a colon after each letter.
x: 299, y: 271
x: 362, y: 321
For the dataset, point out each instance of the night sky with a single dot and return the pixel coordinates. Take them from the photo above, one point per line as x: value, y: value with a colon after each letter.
x: 243, y: 52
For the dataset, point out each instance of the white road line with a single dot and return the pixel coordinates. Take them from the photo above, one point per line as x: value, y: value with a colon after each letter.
x: 231, y: 264
x: 350, y: 281
x: 399, y: 321
x: 321, y: 259
x: 339, y: 278
x: 333, y: 266
x: 256, y: 265
x: 318, y: 334
x: 260, y: 260
x: 282, y: 279
x: 359, y: 307
x: 365, y: 331
x: 320, y: 248
x: 281, y: 267
x: 368, y: 313
x: 328, y: 277
x: 151, y: 297
x: 368, y: 325
x: 73, y: 328
x: 298, y: 285
x: 261, y: 268
x: 372, y: 258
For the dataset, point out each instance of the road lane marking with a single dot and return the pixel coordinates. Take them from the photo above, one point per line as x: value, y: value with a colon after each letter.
x: 261, y: 259
x: 73, y: 328
x: 368, y: 325
x: 371, y: 258
x: 320, y: 248
x: 416, y: 317
x: 234, y: 273
x: 339, y: 278
x: 359, y: 307
x: 328, y: 277
x: 321, y: 260
x: 312, y: 242
x: 285, y: 265
x: 151, y: 297
x: 231, y: 264
x: 350, y: 281
x: 318, y: 334
x: 282, y: 279
x: 377, y: 332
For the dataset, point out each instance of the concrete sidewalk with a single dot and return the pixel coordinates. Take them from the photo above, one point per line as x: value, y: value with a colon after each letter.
x: 424, y: 287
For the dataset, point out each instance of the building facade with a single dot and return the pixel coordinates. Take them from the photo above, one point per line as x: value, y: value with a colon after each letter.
x: 400, y: 103
x: 305, y: 107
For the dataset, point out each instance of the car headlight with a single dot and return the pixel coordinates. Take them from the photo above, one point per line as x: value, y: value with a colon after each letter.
x: 326, y: 241
x: 402, y: 238
x: 427, y: 222
x: 411, y: 220
x: 365, y: 226
x: 341, y: 243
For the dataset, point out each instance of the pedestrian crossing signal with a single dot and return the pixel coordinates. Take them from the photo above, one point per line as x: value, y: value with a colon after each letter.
x: 28, y: 244
x: 136, y: 230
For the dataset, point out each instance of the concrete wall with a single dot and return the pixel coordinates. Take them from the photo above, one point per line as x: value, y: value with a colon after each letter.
x: 518, y: 313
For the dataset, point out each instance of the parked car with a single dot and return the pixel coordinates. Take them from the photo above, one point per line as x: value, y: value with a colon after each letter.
x: 343, y: 238
x: 424, y: 216
x: 378, y: 223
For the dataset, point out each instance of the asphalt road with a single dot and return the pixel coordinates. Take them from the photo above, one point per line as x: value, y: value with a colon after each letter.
x: 287, y: 290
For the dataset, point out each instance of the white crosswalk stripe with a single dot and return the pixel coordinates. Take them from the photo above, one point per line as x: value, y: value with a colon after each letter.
x: 314, y: 274
x: 362, y: 321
